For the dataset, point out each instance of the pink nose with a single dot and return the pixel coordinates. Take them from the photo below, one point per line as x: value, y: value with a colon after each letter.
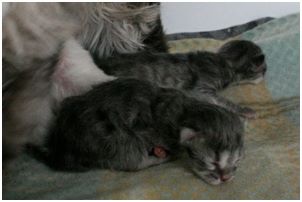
x: 224, y: 178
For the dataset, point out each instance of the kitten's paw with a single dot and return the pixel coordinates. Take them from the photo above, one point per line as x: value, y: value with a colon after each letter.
x: 248, y: 113
x: 160, y: 152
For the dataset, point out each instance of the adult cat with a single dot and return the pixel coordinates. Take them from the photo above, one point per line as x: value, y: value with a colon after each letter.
x: 45, y: 61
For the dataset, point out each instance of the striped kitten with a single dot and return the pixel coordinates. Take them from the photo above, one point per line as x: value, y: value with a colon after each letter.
x: 199, y: 74
x: 119, y: 125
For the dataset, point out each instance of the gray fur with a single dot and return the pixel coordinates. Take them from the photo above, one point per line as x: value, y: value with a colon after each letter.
x: 119, y: 123
x: 198, y: 74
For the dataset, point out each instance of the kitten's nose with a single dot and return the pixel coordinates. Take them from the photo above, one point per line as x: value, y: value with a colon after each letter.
x: 224, y: 178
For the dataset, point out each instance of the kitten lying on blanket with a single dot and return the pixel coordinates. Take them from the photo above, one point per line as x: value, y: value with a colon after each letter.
x: 122, y: 124
x: 196, y: 73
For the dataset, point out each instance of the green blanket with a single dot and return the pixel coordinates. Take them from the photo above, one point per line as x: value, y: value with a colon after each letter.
x: 270, y: 169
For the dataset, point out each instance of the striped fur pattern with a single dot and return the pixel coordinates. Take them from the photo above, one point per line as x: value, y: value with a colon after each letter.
x: 118, y: 124
x: 198, y: 74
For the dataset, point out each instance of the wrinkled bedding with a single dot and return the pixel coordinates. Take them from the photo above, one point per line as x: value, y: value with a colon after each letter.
x: 270, y: 169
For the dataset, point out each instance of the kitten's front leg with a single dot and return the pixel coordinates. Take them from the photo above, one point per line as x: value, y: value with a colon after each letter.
x: 246, y: 112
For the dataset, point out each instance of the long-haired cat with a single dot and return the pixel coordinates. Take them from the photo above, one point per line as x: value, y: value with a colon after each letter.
x: 34, y: 31
x: 29, y: 102
x: 199, y: 74
x: 118, y: 124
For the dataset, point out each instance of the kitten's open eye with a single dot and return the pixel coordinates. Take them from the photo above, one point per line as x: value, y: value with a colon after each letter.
x: 235, y: 168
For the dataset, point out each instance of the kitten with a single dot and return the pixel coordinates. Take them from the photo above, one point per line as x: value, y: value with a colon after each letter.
x: 196, y: 73
x: 119, y: 124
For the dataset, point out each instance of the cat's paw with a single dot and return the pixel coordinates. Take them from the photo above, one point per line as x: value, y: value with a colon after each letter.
x: 159, y: 152
x: 248, y: 113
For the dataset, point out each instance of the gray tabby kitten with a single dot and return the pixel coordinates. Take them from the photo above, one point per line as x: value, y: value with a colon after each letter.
x: 119, y: 124
x: 199, y: 74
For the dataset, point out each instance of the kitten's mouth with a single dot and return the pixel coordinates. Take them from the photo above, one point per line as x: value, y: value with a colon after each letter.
x: 214, y: 179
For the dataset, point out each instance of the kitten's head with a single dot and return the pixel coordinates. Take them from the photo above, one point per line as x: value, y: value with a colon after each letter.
x: 246, y: 58
x: 214, y: 141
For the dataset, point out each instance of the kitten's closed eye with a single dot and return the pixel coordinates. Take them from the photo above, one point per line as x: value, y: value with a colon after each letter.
x: 214, y: 176
x: 218, y: 169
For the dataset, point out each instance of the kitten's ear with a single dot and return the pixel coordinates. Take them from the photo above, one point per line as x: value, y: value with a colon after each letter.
x: 258, y: 60
x: 187, y: 134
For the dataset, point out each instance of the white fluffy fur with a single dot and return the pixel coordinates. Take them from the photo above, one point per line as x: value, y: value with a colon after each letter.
x: 223, y: 160
x: 76, y: 72
x: 35, y: 30
x: 186, y: 134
